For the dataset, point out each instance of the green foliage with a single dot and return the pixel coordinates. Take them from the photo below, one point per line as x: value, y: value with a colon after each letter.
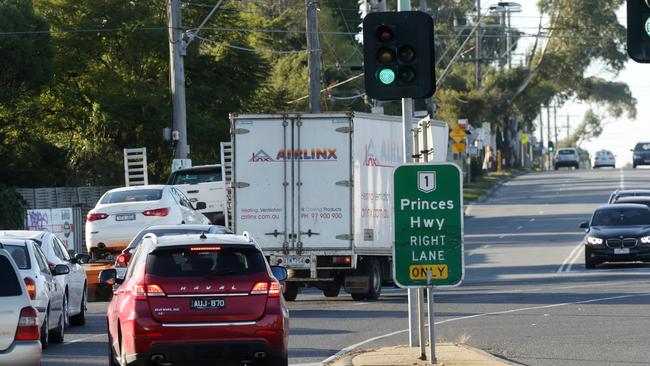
x: 12, y: 209
x: 590, y: 127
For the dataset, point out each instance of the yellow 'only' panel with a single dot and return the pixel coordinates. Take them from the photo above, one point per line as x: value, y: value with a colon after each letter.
x: 419, y: 271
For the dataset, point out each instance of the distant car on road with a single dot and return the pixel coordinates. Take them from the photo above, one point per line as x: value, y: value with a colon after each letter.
x: 641, y: 154
x: 617, y: 233
x: 199, y: 300
x: 45, y: 292
x: 566, y: 157
x: 73, y: 283
x: 627, y: 193
x: 19, y: 338
x: 122, y: 212
x: 604, y: 158
x: 123, y: 259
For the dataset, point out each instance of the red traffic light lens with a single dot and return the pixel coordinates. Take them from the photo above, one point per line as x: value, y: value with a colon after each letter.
x: 385, y: 55
x: 384, y: 34
x: 406, y: 54
x: 406, y: 75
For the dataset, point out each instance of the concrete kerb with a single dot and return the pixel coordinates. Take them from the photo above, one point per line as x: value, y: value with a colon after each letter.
x: 449, y: 354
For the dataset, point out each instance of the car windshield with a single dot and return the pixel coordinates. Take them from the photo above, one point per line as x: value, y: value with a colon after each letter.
x: 621, y: 217
x: 566, y: 152
x: 197, y: 176
x: 138, y: 195
x: 9, y: 286
x: 19, y: 254
x: 642, y: 147
x: 603, y: 153
x: 205, y: 261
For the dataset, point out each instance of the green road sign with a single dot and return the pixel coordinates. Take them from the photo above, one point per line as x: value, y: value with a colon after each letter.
x: 428, y: 212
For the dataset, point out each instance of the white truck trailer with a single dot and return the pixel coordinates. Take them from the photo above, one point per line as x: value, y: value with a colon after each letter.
x: 315, y: 191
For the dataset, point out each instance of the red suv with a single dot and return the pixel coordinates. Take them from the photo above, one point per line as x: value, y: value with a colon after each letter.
x: 197, y: 300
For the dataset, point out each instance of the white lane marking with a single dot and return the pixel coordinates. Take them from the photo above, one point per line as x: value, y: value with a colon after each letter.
x: 532, y: 220
x: 359, y: 304
x: 501, y: 236
x: 541, y: 212
x: 622, y: 184
x: 83, y: 339
x: 519, y: 227
x: 579, y: 254
x: 350, y: 348
x: 569, y: 258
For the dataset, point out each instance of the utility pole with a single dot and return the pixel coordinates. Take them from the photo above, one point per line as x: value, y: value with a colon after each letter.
x: 509, y: 40
x: 478, y: 44
x: 541, y: 135
x: 314, y: 55
x: 548, y: 132
x: 568, y: 135
x: 555, y: 121
x: 177, y: 77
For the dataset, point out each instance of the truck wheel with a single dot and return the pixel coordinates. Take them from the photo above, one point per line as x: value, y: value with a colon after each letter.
x: 290, y: 291
x: 374, y: 285
x: 332, y: 289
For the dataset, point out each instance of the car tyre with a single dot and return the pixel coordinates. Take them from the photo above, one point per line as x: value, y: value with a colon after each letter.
x: 80, y: 319
x: 356, y: 296
x: 290, y: 292
x: 45, y: 333
x: 66, y: 310
x: 111, y: 353
x: 374, y: 272
x: 59, y: 333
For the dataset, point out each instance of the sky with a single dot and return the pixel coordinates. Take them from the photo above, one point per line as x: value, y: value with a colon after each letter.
x: 619, y: 135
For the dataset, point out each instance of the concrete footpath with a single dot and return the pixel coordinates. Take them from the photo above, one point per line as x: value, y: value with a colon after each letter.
x: 448, y: 354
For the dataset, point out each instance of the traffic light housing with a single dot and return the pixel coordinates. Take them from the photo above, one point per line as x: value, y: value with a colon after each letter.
x: 551, y: 146
x: 398, y: 55
x: 638, y: 30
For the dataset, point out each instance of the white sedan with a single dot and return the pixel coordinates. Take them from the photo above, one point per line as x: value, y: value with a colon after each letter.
x: 604, y: 158
x: 122, y: 212
x: 73, y: 283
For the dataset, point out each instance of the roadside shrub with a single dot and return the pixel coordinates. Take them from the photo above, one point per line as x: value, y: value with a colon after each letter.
x: 12, y: 209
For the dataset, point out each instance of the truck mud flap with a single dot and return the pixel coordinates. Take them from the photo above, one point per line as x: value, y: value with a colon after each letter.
x: 357, y: 284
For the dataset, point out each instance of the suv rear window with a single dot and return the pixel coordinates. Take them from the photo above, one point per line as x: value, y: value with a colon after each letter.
x: 9, y: 286
x: 200, y: 262
x: 138, y: 195
x: 566, y: 152
x: 19, y: 254
x: 203, y: 175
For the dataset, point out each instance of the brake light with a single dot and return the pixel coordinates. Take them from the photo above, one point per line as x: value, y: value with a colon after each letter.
x: 28, y: 327
x: 122, y: 260
x: 204, y: 249
x: 96, y: 216
x: 141, y: 292
x: 157, y: 212
x: 31, y: 287
x: 263, y: 288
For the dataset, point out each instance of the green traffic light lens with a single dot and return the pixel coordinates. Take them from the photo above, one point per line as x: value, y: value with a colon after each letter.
x: 385, y: 56
x: 647, y: 27
x: 386, y: 76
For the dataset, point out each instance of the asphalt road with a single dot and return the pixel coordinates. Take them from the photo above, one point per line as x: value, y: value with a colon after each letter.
x: 526, y: 295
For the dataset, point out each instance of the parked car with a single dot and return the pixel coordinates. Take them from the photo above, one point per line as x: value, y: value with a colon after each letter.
x: 604, y: 158
x: 641, y: 154
x: 203, y: 183
x: 209, y: 299
x: 73, y: 283
x: 122, y: 212
x: 617, y: 233
x: 45, y: 292
x: 19, y: 340
x: 123, y: 259
x: 627, y: 193
x: 566, y: 157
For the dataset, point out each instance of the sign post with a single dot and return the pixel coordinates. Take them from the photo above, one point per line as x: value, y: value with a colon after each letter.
x: 428, y: 214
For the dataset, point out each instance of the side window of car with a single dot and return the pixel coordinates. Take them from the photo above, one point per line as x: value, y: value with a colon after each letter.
x: 41, y: 260
x: 184, y: 201
x: 175, y: 195
x: 57, y: 249
x: 133, y: 263
x: 64, y: 251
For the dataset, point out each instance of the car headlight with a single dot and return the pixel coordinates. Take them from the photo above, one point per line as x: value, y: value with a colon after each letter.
x: 597, y: 241
x: 645, y: 240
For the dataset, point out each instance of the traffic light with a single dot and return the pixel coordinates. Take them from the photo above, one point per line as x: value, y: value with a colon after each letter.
x: 551, y: 146
x: 638, y: 30
x: 398, y: 55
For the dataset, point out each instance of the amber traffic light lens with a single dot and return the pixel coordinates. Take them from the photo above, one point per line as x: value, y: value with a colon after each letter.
x: 406, y: 75
x: 406, y: 54
x: 385, y: 55
x: 384, y: 34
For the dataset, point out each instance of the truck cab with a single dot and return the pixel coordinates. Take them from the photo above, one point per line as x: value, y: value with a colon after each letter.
x: 203, y: 183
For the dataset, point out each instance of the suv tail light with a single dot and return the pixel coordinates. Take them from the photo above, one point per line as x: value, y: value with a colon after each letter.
x: 263, y: 288
x: 28, y: 329
x: 141, y: 292
x: 157, y: 212
x: 96, y: 216
x: 30, y: 284
x: 123, y: 259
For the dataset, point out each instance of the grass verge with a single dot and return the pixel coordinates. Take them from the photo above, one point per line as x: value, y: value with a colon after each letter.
x: 480, y: 186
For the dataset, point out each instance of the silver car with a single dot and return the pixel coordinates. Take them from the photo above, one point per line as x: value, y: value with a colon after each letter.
x: 19, y: 325
x: 44, y: 290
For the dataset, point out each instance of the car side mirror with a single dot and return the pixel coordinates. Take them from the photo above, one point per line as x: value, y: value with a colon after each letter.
x: 109, y: 277
x: 200, y: 206
x: 279, y: 272
x: 81, y: 258
x: 60, y: 269
x: 584, y: 225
